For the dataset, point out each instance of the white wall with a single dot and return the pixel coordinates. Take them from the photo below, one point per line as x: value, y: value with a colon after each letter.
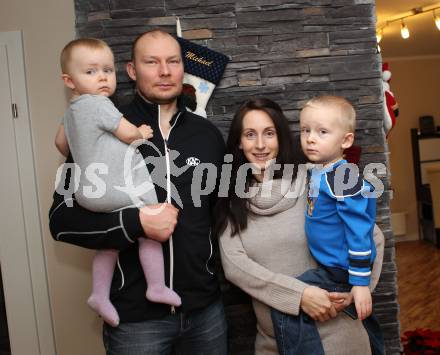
x: 47, y: 26
x: 415, y: 83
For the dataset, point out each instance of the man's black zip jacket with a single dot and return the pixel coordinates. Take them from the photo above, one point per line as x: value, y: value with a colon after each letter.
x: 196, y: 140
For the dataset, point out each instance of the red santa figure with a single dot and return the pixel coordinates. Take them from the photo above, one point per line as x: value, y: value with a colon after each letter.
x: 391, y: 108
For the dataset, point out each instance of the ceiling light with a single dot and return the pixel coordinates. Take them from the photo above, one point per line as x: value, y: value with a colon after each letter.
x: 404, y: 31
x: 379, y: 36
x: 437, y: 20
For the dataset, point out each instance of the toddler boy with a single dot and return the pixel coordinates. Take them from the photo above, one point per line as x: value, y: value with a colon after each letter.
x: 340, y: 218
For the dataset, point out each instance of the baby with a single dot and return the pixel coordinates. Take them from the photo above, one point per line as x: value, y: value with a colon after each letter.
x: 339, y: 223
x: 99, y: 137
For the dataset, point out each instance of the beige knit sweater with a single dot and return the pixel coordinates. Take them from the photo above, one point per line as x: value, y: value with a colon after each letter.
x: 266, y: 257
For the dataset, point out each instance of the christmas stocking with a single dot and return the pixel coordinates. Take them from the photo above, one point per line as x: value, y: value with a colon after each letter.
x: 203, y: 71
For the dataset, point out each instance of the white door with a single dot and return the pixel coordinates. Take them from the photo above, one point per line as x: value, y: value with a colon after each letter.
x: 21, y: 245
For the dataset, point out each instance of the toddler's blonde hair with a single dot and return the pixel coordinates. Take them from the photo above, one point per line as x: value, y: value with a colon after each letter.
x: 347, y: 112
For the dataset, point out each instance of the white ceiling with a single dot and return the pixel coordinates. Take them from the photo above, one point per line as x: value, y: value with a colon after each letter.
x: 424, y: 36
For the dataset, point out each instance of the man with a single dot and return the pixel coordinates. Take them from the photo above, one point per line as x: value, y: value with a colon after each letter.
x: 198, y: 326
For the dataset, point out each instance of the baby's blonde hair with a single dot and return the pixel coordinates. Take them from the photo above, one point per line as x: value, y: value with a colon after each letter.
x: 347, y: 112
x: 90, y: 43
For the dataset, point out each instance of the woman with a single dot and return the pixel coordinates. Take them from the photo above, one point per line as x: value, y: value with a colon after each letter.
x: 262, y: 240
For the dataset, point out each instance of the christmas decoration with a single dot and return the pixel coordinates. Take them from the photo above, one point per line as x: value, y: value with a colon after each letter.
x: 391, y: 108
x: 421, y: 342
x: 204, y: 69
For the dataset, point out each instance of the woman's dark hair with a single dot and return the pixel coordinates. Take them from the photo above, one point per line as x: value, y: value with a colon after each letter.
x: 234, y: 209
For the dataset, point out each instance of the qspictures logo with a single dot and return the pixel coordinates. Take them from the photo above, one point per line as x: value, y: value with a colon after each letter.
x: 207, y: 178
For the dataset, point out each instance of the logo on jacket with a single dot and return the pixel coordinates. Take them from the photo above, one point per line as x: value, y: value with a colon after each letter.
x: 192, y: 161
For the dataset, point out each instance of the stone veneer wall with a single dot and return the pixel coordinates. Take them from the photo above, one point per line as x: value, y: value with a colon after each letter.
x: 288, y: 51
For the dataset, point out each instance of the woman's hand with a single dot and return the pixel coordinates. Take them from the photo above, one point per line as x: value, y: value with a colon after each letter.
x: 316, y: 303
x: 341, y: 300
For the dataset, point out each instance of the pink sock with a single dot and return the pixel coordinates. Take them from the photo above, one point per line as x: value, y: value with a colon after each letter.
x: 151, y: 256
x: 102, y: 273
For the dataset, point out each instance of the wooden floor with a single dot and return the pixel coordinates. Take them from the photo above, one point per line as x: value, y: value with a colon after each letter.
x: 418, y: 265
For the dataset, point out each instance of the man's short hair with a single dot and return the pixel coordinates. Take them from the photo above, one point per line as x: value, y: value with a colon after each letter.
x: 154, y: 33
x: 90, y: 43
x: 347, y: 112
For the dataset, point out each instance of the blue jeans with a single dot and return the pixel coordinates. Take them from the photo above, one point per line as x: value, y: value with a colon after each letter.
x: 299, y: 335
x: 202, y: 332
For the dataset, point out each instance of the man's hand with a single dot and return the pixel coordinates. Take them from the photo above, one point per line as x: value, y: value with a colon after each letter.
x: 316, y: 303
x: 158, y: 221
x: 362, y: 300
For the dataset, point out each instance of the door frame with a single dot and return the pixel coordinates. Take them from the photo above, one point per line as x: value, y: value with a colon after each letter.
x: 22, y: 258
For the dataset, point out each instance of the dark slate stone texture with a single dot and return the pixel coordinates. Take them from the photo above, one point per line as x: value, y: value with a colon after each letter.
x: 287, y: 50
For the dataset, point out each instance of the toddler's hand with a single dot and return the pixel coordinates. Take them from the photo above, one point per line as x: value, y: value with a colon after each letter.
x: 146, y: 131
x: 362, y: 300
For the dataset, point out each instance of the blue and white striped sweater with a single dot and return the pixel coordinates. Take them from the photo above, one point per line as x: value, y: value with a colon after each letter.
x: 340, y: 221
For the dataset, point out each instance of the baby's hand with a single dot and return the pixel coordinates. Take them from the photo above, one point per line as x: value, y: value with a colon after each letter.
x: 362, y: 300
x: 146, y: 131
